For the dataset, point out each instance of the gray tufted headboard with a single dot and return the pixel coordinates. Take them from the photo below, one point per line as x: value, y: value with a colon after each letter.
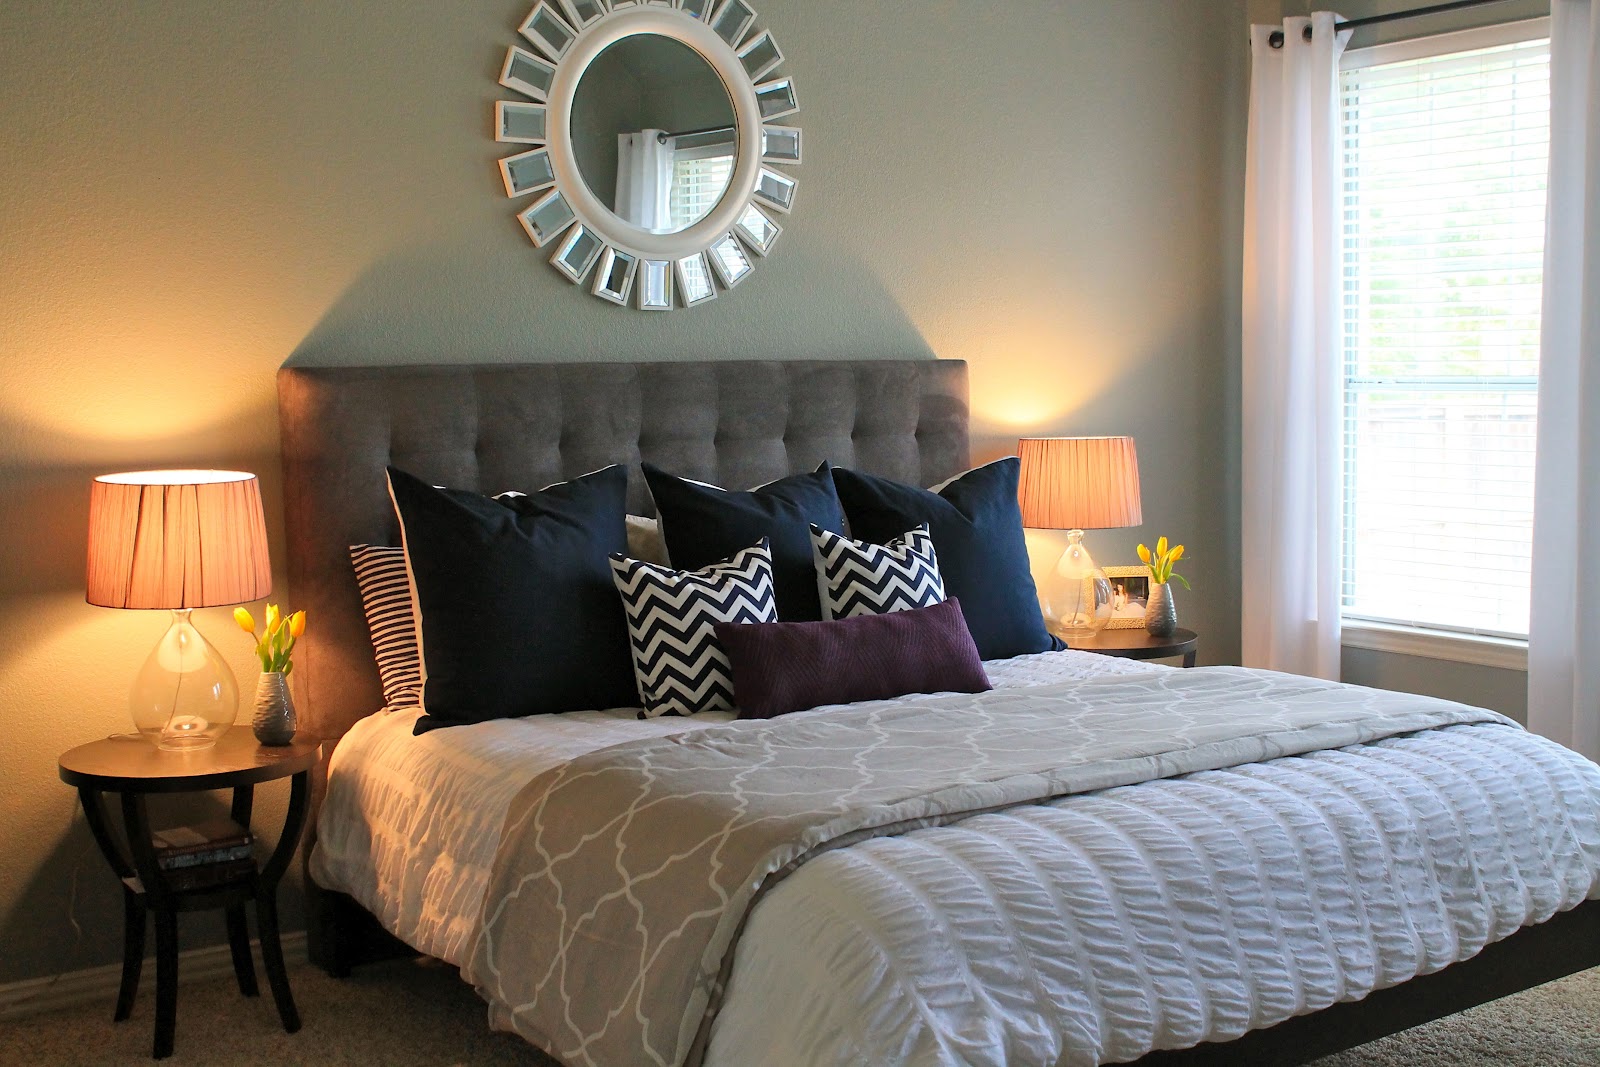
x: 523, y: 426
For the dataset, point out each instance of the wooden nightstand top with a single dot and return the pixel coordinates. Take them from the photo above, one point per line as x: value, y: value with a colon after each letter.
x: 130, y: 764
x: 1137, y: 644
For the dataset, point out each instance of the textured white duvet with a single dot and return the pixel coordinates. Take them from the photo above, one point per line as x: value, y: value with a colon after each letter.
x: 1043, y: 934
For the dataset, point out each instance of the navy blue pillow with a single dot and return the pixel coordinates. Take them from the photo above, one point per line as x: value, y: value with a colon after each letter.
x: 976, y: 524
x: 518, y: 612
x: 702, y: 525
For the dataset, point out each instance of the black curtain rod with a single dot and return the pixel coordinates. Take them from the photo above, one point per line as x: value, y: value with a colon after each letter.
x: 1276, y: 37
x: 663, y: 135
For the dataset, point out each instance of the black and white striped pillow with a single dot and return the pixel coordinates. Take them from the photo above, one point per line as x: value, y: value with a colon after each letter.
x: 680, y: 666
x: 861, y: 578
x: 391, y: 619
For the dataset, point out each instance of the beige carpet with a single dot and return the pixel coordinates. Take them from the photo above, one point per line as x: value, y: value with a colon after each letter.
x: 410, y: 1015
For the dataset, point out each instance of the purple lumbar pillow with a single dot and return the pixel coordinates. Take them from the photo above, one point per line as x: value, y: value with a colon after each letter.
x: 779, y: 667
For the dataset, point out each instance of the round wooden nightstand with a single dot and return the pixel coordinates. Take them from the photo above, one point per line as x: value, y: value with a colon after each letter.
x: 133, y: 767
x: 1137, y: 644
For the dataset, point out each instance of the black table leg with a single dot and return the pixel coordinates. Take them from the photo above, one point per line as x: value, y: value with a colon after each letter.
x: 267, y: 901
x: 166, y: 982
x: 244, y: 968
x: 272, y: 960
x: 94, y: 813
x: 132, y: 952
x: 1188, y: 657
x: 136, y: 825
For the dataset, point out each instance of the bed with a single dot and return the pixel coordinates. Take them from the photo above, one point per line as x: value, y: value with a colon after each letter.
x: 410, y: 826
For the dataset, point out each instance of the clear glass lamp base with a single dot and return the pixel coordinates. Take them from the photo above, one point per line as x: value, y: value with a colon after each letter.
x: 184, y: 696
x: 1076, y: 595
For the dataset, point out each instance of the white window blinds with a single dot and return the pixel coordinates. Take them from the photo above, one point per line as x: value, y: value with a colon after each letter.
x: 698, y: 181
x: 1445, y: 149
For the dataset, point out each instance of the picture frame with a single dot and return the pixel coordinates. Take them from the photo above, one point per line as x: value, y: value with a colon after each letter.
x: 1131, y: 585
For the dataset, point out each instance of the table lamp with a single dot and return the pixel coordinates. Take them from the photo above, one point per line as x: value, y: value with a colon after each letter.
x: 179, y: 540
x: 1077, y: 484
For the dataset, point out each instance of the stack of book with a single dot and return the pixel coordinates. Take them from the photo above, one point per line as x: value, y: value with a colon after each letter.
x: 204, y: 855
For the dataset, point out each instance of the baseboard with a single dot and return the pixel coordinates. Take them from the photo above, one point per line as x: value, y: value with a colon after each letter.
x: 34, y: 996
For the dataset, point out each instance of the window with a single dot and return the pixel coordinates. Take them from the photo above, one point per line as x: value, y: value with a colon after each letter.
x: 699, y: 176
x: 1444, y: 168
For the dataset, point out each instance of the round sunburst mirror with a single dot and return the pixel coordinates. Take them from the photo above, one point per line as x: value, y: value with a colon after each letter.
x: 655, y: 164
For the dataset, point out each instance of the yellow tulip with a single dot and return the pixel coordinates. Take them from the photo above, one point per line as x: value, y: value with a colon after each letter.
x: 273, y: 618
x: 1161, y: 547
x: 1144, y: 554
x: 297, y: 623
x: 1177, y: 553
x: 246, y: 623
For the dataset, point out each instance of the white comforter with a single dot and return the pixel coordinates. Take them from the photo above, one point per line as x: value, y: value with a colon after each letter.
x: 1092, y: 929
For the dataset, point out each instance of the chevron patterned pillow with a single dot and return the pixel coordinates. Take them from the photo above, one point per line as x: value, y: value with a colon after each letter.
x: 678, y: 662
x: 861, y: 578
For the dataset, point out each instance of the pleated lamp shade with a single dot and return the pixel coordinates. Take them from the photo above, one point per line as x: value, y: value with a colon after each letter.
x: 1079, y: 483
x: 177, y: 539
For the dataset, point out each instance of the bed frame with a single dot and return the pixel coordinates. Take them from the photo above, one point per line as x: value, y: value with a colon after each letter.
x: 492, y: 427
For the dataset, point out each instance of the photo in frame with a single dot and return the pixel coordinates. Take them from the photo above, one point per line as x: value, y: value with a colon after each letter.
x: 1130, y: 593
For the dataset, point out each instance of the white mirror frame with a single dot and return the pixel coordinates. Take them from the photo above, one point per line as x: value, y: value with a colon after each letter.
x: 666, y: 19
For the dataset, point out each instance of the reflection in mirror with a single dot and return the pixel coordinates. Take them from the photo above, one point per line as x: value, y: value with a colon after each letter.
x: 519, y: 123
x: 527, y: 172
x: 577, y: 253
x: 526, y: 73
x: 759, y: 232
x: 777, y: 99
x: 731, y: 264
x: 699, y: 9
x: 614, y: 280
x: 655, y: 285
x: 547, y: 218
x: 653, y: 130
x: 780, y: 144
x: 731, y: 20
x: 776, y: 189
x: 694, y: 280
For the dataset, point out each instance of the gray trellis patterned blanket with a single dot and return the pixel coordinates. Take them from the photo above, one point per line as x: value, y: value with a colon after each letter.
x: 623, y: 877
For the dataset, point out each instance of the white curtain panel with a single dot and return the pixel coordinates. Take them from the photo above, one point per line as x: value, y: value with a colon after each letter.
x: 1564, y: 638
x: 1292, y: 406
x: 644, y: 179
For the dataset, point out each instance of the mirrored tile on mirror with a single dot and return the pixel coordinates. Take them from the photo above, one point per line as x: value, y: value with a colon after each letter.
x: 730, y: 262
x: 731, y: 21
x: 694, y: 280
x: 519, y: 123
x: 614, y: 280
x: 760, y: 56
x: 583, y: 12
x: 777, y: 99
x: 577, y: 253
x: 758, y: 231
x: 546, y: 218
x: 547, y: 31
x: 776, y: 189
x: 780, y: 144
x: 526, y: 73
x: 655, y: 285
x: 527, y: 172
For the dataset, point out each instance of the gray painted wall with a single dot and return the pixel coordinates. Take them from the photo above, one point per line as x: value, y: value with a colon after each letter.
x: 196, y: 192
